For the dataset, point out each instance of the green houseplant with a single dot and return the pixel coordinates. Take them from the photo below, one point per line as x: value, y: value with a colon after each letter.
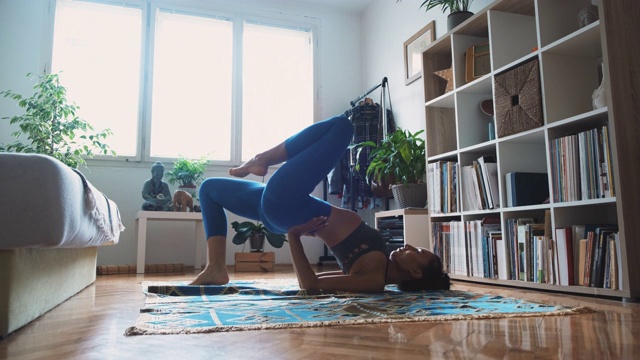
x: 256, y: 233
x: 52, y: 127
x: 400, y: 161
x: 459, y: 10
x: 187, y: 173
x: 451, y: 5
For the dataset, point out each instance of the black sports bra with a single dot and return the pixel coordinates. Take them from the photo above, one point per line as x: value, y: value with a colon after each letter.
x: 362, y: 240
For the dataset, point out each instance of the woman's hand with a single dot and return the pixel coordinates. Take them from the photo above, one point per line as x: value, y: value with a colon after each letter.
x: 309, y: 228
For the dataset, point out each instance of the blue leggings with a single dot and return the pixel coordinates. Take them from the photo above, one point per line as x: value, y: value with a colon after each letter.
x: 285, y: 200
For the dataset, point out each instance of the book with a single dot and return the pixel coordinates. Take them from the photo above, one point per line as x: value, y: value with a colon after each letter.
x: 541, y: 255
x: 522, y: 246
x: 582, y: 253
x: 489, y: 168
x: 480, y: 185
x: 471, y: 195
x: 501, y: 250
x: 487, y: 225
x: 600, y: 254
x: 564, y: 242
x: 613, y: 263
x: 532, y: 232
x: 577, y: 235
x: 588, y: 258
x: 525, y: 188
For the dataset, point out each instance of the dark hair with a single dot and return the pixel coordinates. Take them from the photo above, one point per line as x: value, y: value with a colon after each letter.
x: 433, y: 278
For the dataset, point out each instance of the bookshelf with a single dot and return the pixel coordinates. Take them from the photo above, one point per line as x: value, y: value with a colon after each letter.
x: 570, y: 62
x: 414, y: 223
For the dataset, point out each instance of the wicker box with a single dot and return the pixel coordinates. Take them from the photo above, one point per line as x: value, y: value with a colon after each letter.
x: 518, y: 100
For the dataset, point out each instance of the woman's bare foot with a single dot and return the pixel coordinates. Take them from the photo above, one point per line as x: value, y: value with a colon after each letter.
x: 255, y: 166
x: 212, y: 276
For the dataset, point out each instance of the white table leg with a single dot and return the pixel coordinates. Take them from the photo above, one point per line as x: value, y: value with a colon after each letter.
x: 141, y: 229
x: 199, y: 236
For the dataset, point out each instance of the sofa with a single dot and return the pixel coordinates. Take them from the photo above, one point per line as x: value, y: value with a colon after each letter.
x: 52, y: 222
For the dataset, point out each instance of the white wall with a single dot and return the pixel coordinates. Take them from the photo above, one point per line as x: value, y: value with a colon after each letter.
x: 386, y: 25
x: 355, y: 52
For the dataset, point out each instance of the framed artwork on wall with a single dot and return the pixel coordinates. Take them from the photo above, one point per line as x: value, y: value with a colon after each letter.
x: 413, y: 49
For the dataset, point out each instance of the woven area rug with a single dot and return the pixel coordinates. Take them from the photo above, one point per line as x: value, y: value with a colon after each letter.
x: 258, y: 305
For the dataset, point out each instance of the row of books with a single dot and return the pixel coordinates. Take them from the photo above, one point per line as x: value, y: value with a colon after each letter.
x: 599, y: 256
x: 469, y: 248
x: 527, y: 250
x: 443, y: 175
x: 480, y: 184
x: 479, y: 189
x: 581, y: 166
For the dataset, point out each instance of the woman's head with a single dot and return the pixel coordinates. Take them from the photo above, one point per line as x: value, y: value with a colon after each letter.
x: 423, y: 269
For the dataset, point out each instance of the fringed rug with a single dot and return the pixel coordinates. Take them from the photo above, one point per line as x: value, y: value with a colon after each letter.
x: 259, y: 305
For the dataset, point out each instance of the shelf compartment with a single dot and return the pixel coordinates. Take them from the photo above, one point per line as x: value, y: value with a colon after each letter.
x: 461, y: 44
x: 587, y: 212
x: 513, y: 36
x: 521, y: 157
x: 436, y: 57
x: 557, y: 19
x: 441, y: 130
x: 472, y: 120
x: 570, y: 73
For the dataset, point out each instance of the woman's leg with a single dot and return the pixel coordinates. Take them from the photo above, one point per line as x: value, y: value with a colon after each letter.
x: 259, y: 164
x: 311, y: 154
x: 242, y: 198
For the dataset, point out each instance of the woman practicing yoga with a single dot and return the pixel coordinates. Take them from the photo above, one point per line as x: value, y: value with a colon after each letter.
x: 284, y: 205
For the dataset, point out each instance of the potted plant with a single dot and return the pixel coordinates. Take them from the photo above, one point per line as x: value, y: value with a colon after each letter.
x: 187, y: 173
x: 459, y: 10
x: 52, y: 127
x: 256, y: 233
x: 400, y: 158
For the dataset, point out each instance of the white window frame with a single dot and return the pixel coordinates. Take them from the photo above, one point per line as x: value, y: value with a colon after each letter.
x: 238, y: 16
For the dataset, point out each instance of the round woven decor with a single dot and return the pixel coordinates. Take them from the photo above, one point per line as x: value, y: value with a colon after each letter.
x: 410, y: 195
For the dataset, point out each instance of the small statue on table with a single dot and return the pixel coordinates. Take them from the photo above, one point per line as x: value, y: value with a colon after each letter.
x: 155, y: 192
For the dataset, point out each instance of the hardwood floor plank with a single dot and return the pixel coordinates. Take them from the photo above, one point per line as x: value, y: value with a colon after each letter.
x: 91, y: 325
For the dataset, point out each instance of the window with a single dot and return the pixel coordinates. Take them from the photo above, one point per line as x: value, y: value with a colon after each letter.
x: 277, y: 86
x: 192, y: 85
x: 189, y: 83
x: 97, y: 50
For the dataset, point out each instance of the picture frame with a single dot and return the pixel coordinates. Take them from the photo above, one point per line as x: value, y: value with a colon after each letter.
x: 413, y: 49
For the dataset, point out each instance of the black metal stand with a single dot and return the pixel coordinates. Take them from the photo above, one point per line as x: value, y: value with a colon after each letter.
x: 383, y: 83
x: 326, y: 256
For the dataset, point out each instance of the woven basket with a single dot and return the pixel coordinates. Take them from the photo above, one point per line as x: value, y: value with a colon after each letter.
x: 410, y: 195
x: 518, y: 99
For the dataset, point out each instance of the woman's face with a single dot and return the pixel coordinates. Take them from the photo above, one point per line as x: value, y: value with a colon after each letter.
x: 410, y: 258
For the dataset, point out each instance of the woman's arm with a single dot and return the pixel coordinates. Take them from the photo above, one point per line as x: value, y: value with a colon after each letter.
x: 370, y: 278
x: 307, y: 278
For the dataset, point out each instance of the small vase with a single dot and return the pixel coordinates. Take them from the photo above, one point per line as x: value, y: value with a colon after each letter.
x: 456, y: 18
x: 599, y: 96
x: 256, y: 241
x: 191, y: 189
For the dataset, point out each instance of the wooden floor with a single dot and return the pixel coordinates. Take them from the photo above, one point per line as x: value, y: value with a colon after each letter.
x: 91, y: 324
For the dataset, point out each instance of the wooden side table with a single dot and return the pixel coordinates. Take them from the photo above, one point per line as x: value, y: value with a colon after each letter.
x: 143, y: 217
x: 255, y: 261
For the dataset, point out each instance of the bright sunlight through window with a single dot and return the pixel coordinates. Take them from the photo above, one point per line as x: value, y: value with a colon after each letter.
x: 172, y: 83
x: 277, y: 86
x: 97, y: 52
x: 192, y: 78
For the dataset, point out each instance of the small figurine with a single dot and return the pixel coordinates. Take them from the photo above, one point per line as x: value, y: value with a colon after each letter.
x: 156, y: 192
x: 182, y: 200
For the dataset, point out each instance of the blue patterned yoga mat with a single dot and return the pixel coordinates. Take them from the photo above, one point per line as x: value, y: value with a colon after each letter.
x: 256, y: 305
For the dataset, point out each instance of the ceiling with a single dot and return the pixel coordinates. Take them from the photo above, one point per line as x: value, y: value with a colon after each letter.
x: 352, y: 6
